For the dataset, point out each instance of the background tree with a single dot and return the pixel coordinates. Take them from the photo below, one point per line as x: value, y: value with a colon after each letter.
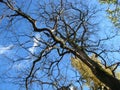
x: 38, y: 38
x: 87, y: 74
x: 113, y: 10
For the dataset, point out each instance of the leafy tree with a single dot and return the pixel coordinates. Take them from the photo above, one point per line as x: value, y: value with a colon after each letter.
x: 113, y: 10
x: 88, y: 75
x: 42, y: 38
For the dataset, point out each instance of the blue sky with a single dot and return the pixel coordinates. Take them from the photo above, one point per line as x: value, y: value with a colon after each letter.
x: 19, y: 43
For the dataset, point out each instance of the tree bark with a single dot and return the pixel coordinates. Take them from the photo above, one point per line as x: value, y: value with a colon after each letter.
x: 109, y: 80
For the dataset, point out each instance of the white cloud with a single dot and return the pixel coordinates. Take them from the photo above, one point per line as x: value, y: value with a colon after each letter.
x: 72, y: 88
x: 35, y: 44
x: 4, y: 49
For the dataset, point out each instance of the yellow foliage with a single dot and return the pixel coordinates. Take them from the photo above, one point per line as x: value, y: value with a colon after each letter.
x: 118, y: 75
x: 86, y: 72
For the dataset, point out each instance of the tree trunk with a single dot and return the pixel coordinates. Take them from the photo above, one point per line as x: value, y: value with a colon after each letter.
x: 110, y: 81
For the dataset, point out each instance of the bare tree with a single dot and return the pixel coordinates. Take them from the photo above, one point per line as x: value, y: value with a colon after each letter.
x: 44, y: 35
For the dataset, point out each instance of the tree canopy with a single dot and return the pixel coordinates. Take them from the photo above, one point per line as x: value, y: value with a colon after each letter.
x: 113, y: 10
x: 59, y: 44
